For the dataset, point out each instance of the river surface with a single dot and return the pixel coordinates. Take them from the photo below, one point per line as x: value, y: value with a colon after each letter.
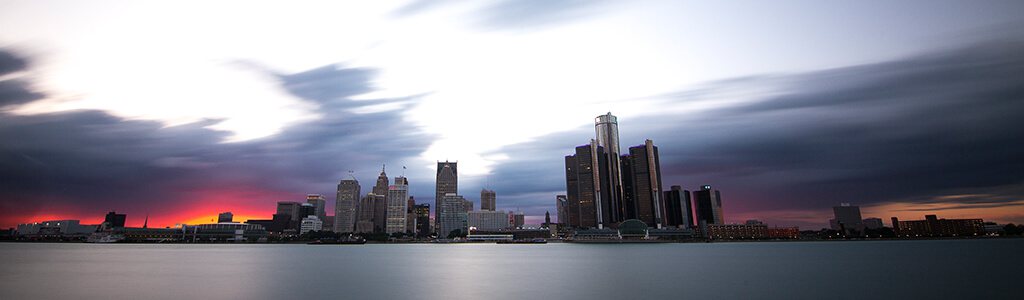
x: 939, y: 269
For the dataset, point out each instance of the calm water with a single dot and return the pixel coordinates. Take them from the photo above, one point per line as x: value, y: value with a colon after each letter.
x: 964, y: 269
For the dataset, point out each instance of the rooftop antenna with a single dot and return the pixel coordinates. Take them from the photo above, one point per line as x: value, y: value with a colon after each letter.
x: 403, y: 171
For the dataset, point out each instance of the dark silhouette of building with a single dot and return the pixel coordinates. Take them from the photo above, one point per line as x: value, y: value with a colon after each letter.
x: 932, y: 226
x: 678, y: 208
x: 561, y: 207
x: 380, y: 205
x: 708, y: 206
x: 115, y: 220
x: 422, y: 212
x: 488, y: 199
x: 587, y: 186
x: 642, y: 184
x: 289, y: 208
x: 847, y: 219
x: 225, y: 217
x: 447, y: 182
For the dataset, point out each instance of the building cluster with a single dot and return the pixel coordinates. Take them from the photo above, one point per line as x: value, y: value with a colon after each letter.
x: 605, y: 188
x: 849, y: 223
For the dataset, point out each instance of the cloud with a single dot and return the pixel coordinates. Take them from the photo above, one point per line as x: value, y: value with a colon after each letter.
x: 904, y: 130
x: 511, y: 14
x: 14, y: 90
x: 86, y: 162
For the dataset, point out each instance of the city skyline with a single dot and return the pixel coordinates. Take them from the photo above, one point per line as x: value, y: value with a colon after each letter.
x: 107, y: 109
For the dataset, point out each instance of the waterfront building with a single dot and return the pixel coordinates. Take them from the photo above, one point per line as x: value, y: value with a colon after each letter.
x: 736, y: 231
x: 446, y: 182
x: 225, y: 217
x: 790, y: 233
x: 220, y: 232
x: 847, y: 219
x: 114, y: 219
x: 587, y: 187
x: 305, y: 210
x: 422, y: 228
x: 873, y: 223
x: 310, y: 223
x: 453, y: 215
x: 678, y: 212
x: 410, y: 216
x: 488, y: 199
x: 397, y: 208
x: 487, y: 220
x: 606, y: 128
x: 708, y: 206
x: 641, y: 183
x: 319, y: 205
x: 345, y: 205
x: 56, y: 227
x: 932, y: 226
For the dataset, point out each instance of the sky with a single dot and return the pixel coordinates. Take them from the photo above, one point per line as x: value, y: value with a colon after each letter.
x: 181, y: 110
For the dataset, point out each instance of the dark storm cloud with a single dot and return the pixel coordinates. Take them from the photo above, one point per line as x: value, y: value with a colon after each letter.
x: 14, y: 91
x: 92, y: 160
x: 914, y: 129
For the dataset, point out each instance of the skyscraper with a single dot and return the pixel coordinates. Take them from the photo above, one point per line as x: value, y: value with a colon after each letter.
x: 398, y: 201
x: 708, y: 206
x: 488, y: 199
x: 587, y: 187
x: 319, y: 204
x: 644, y: 184
x: 447, y: 182
x: 345, y: 205
x: 380, y: 204
x: 607, y: 129
x: 365, y: 213
x: 678, y: 211
x: 453, y: 215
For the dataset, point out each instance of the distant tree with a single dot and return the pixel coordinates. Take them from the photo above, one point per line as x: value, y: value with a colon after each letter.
x: 1011, y: 229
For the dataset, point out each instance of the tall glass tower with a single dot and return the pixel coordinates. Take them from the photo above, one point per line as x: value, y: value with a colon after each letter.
x: 607, y: 128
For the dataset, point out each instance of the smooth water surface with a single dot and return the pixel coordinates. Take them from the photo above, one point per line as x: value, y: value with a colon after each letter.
x: 945, y: 269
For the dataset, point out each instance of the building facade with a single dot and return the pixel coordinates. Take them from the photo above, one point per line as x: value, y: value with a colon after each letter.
x: 847, y: 219
x: 487, y: 220
x: 345, y: 205
x: 488, y: 200
x: 310, y: 223
x: 678, y: 208
x: 587, y: 186
x: 398, y: 201
x: 932, y: 226
x: 319, y: 205
x: 225, y: 217
x: 446, y: 182
x: 708, y: 206
x: 606, y: 129
x: 422, y: 228
x: 453, y: 215
x: 644, y: 184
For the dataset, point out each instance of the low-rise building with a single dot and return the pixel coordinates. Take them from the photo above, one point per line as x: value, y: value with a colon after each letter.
x: 736, y: 231
x: 932, y: 226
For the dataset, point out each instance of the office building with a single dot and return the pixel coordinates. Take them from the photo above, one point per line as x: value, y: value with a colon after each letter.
x: 847, y: 219
x: 319, y: 205
x: 487, y: 220
x: 380, y: 204
x: 932, y: 226
x: 305, y: 210
x: 586, y: 186
x: 422, y: 228
x: 873, y: 223
x: 467, y: 205
x: 708, y: 206
x: 345, y: 205
x: 56, y: 227
x: 365, y: 214
x: 447, y: 182
x: 606, y: 128
x: 678, y: 212
x: 410, y: 216
x: 736, y: 231
x: 641, y: 181
x: 225, y: 217
x: 488, y: 199
x: 397, y: 206
x: 310, y: 223
x: 561, y: 208
x: 453, y: 215
x: 114, y: 219
x: 289, y: 208
x: 518, y: 220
